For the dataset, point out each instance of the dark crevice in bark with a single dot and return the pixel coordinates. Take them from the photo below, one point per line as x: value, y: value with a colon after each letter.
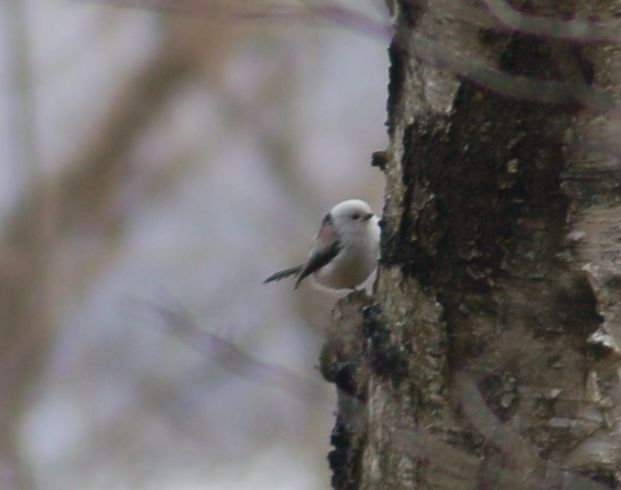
x: 398, y: 58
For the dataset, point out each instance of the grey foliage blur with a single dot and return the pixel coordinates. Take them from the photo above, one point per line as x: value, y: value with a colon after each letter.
x: 149, y: 159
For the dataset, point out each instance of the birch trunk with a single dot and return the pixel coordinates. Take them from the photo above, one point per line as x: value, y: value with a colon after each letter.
x: 488, y: 356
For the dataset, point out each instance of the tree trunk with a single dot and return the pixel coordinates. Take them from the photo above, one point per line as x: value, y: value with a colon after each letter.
x: 489, y: 354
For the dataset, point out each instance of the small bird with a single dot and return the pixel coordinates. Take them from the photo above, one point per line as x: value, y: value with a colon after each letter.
x: 345, y: 250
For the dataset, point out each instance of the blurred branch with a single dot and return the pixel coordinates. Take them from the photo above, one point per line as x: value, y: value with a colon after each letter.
x: 87, y: 188
x: 84, y: 201
x: 270, y: 11
x: 85, y: 191
x: 520, y: 87
x: 524, y: 469
x: 464, y: 12
x: 180, y: 324
x: 583, y: 31
x: 524, y: 88
x: 575, y: 83
x: 14, y: 470
x: 499, y: 15
x: 522, y: 457
x: 518, y: 468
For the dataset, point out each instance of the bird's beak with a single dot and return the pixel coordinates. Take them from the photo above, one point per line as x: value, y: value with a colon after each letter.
x: 367, y: 217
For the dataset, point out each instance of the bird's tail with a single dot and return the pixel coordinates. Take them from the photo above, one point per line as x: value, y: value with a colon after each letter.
x: 277, y: 276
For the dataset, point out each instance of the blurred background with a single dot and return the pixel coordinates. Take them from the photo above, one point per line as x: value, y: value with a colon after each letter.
x: 166, y: 157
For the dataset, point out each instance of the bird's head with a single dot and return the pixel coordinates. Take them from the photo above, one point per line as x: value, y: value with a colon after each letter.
x: 352, y: 216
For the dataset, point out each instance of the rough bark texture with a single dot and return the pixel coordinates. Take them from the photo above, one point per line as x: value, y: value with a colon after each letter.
x: 488, y: 357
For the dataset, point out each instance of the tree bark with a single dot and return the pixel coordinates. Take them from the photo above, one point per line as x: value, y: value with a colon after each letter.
x: 488, y: 356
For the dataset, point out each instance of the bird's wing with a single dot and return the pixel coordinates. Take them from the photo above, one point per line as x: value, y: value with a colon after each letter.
x: 325, y: 248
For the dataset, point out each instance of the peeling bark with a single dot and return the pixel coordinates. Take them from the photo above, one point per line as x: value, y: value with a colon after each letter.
x: 489, y: 357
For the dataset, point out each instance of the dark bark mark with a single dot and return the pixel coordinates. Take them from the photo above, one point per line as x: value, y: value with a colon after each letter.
x: 345, y: 376
x: 576, y: 310
x: 385, y: 358
x: 396, y: 76
x: 411, y: 11
x: 346, y: 457
x: 528, y: 57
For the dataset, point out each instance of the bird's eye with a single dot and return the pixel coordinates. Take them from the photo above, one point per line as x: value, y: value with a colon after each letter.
x: 355, y: 216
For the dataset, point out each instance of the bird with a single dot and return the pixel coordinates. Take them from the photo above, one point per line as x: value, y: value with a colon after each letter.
x: 345, y: 251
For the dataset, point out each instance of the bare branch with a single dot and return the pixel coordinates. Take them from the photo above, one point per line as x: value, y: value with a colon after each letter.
x: 269, y: 11
x: 180, y: 324
x: 584, y: 31
x: 525, y: 466
x: 524, y: 88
